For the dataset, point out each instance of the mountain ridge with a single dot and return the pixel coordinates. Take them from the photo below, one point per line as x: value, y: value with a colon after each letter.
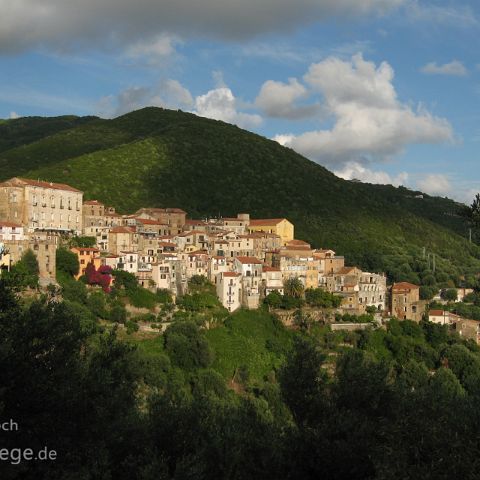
x: 159, y: 157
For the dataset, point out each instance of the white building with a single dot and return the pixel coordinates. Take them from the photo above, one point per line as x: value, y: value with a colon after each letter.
x: 229, y: 290
x: 11, y: 231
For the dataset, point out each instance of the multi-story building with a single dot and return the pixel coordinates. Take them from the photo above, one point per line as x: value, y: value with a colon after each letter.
x: 272, y: 280
x: 122, y: 239
x: 173, y: 217
x: 405, y: 302
x: 279, y: 226
x: 86, y: 256
x: 40, y: 205
x: 216, y: 265
x: 250, y: 269
x: 11, y: 231
x: 229, y: 290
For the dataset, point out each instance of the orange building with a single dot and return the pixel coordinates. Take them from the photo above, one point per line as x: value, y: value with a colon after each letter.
x: 86, y: 256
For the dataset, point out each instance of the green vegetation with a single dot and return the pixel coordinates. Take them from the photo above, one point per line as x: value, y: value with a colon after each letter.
x: 25, y: 272
x: 317, y: 297
x: 252, y: 340
x: 67, y: 262
x: 123, y: 161
x: 246, y: 399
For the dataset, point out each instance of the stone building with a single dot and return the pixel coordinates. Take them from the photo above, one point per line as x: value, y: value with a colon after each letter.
x: 405, y: 302
x: 40, y: 205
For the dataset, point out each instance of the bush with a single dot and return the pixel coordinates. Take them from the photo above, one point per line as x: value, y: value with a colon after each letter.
x: 131, y: 327
x: 118, y: 313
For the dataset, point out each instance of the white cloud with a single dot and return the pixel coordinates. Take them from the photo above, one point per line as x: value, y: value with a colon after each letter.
x: 278, y: 99
x: 454, y: 68
x: 14, y: 115
x: 155, y: 49
x: 221, y: 104
x: 460, y: 16
x: 29, y: 23
x: 354, y: 170
x: 435, y: 184
x: 167, y: 93
x: 370, y: 123
x: 284, y: 139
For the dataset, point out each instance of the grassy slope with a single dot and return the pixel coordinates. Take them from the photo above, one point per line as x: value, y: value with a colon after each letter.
x: 243, y: 342
x: 165, y: 158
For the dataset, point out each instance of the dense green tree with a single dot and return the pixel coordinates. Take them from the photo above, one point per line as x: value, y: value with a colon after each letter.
x: 187, y: 346
x: 67, y: 262
x: 450, y: 294
x: 317, y: 297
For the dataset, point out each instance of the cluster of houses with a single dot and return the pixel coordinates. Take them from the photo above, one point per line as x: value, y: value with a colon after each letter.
x: 245, y: 258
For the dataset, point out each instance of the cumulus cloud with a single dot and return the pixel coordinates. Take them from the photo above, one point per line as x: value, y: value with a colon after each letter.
x: 454, y: 68
x: 221, y: 104
x: 354, y: 170
x: 284, y: 139
x: 14, y: 115
x: 369, y: 122
x: 29, y: 23
x: 435, y: 184
x: 278, y: 99
x: 167, y: 93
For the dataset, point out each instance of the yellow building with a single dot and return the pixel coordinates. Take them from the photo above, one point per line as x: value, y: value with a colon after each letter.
x: 86, y: 256
x: 279, y: 226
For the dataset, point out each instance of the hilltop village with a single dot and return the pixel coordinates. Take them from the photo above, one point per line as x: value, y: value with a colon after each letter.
x: 245, y: 258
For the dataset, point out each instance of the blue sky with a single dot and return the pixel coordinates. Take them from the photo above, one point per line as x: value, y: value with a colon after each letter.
x: 385, y: 91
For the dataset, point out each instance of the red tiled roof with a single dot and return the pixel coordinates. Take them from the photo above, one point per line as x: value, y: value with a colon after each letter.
x: 86, y: 249
x: 167, y: 244
x: 93, y: 202
x: 249, y: 260
x: 10, y: 224
x: 41, y: 184
x: 437, y: 313
x: 198, y: 252
x: 122, y: 230
x: 266, y: 268
x: 404, y: 286
x: 298, y: 243
x: 345, y: 270
x: 266, y: 221
x: 231, y: 274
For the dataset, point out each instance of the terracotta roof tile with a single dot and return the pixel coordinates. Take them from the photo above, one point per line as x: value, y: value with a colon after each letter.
x: 249, y: 260
x: 41, y: 184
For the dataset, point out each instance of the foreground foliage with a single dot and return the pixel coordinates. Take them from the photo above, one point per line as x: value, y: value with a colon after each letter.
x: 373, y: 404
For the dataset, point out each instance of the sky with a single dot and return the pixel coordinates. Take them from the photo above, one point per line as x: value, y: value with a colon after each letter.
x: 383, y: 91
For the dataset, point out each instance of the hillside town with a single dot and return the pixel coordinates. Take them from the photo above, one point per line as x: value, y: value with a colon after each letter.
x: 245, y: 258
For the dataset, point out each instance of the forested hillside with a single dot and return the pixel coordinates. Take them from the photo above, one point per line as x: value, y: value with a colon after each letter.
x: 160, y: 157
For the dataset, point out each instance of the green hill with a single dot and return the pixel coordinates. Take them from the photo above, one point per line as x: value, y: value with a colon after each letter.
x: 160, y: 157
